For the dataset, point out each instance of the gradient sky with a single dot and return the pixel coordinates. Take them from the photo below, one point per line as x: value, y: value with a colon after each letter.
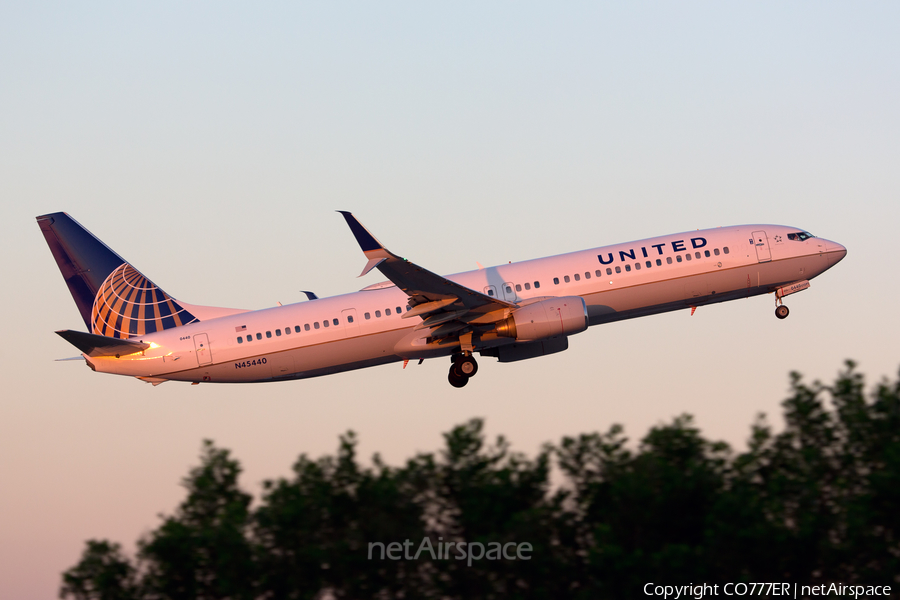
x: 210, y: 144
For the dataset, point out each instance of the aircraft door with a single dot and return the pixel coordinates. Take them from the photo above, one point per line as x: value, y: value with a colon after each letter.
x: 761, y: 241
x: 491, y: 291
x: 201, y: 349
x: 509, y: 291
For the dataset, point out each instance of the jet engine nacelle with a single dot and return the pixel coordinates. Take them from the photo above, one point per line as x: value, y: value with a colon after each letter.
x: 545, y: 319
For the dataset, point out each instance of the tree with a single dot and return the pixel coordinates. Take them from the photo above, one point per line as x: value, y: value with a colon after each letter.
x: 312, y: 532
x: 202, y: 551
x: 814, y: 503
x: 643, y: 514
x: 103, y: 573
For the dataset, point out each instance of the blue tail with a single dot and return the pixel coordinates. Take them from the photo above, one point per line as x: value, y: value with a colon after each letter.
x: 114, y: 298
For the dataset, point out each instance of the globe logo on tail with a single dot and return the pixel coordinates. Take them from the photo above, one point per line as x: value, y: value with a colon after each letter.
x: 128, y: 304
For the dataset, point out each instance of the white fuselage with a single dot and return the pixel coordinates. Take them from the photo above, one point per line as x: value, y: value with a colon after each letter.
x: 361, y: 329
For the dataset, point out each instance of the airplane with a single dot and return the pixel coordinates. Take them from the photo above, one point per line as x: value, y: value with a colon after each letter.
x: 510, y: 312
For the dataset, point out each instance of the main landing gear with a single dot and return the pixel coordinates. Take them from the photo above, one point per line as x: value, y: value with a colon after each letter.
x: 463, y: 367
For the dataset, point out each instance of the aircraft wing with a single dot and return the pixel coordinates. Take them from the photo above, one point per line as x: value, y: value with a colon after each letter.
x: 443, y: 304
x: 100, y: 345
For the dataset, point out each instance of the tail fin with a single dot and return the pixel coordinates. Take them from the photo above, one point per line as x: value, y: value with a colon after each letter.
x: 114, y: 298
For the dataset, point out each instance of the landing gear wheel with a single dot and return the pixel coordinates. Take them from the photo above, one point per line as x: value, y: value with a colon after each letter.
x: 466, y: 366
x: 782, y: 311
x: 463, y: 367
x: 457, y: 381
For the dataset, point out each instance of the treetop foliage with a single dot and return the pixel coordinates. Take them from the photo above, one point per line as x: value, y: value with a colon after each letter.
x: 814, y: 503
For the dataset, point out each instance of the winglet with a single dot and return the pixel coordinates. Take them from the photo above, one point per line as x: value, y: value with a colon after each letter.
x: 373, y: 262
x: 366, y: 240
x: 372, y: 248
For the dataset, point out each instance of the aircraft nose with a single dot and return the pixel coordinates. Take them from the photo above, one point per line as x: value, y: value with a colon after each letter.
x: 836, y: 250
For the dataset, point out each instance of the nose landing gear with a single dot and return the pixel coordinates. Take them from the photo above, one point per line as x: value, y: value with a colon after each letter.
x: 463, y: 367
x: 781, y: 311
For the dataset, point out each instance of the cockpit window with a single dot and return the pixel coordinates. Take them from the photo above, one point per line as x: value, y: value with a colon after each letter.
x: 800, y: 236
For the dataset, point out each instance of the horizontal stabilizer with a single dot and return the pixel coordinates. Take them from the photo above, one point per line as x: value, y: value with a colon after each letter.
x: 100, y: 345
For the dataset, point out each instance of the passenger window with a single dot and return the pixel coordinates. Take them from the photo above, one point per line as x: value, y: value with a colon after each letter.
x: 325, y: 323
x: 687, y: 256
x: 527, y: 286
x: 297, y: 328
x: 716, y: 251
x: 668, y: 260
x: 537, y: 284
x: 249, y: 338
x: 240, y: 340
x: 577, y: 277
x: 556, y: 280
x: 287, y: 331
x: 697, y: 254
x: 491, y: 292
x: 508, y: 289
x: 637, y: 266
x: 598, y: 273
x: 725, y: 249
x: 706, y: 253
x: 658, y: 262
x: 627, y: 268
x: 678, y: 258
x: 316, y: 325
x: 649, y: 263
x: 408, y: 308
x: 566, y: 278
x: 306, y: 327
x: 259, y: 336
x: 277, y: 333
x: 349, y: 318
x: 336, y: 322
x: 367, y: 316
x: 587, y: 274
x: 268, y: 334
x: 518, y: 287
x: 399, y: 311
x: 618, y: 269
x: 387, y: 312
x: 377, y: 314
